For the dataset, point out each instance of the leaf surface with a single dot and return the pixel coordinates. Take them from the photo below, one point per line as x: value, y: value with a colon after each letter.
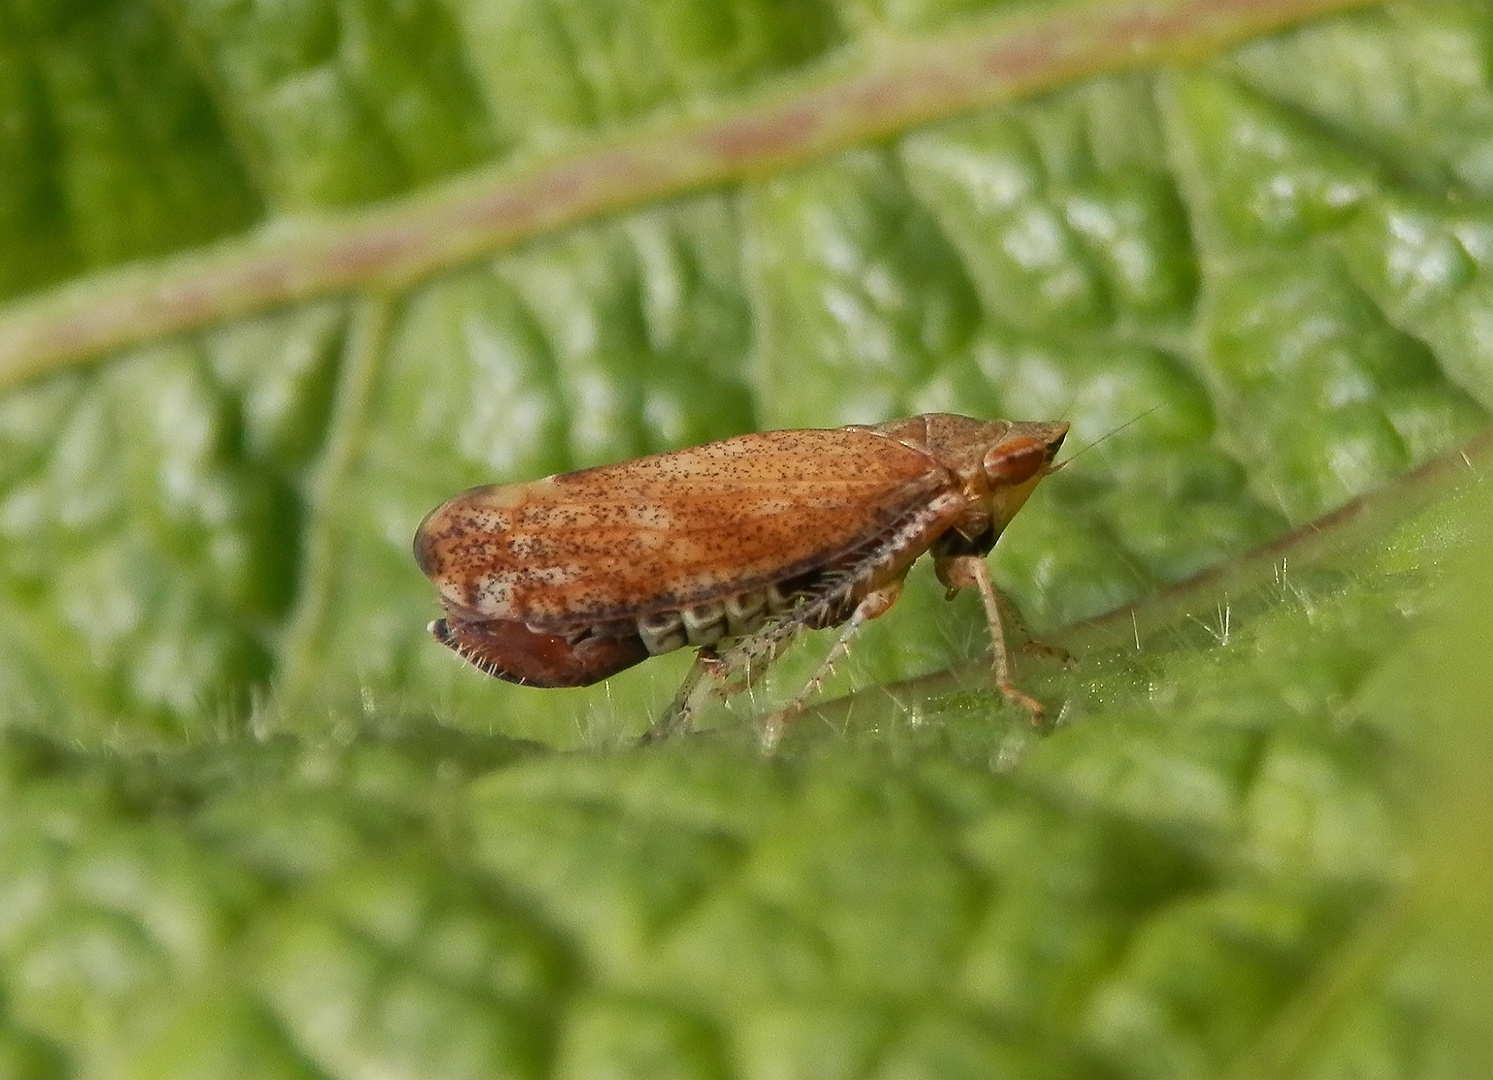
x: 280, y: 279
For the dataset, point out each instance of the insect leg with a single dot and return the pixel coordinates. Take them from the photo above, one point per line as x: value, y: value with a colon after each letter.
x: 872, y: 605
x: 967, y: 568
x: 676, y: 718
x: 885, y: 559
x: 713, y: 671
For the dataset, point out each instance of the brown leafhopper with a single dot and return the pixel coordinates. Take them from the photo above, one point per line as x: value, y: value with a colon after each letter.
x: 732, y: 547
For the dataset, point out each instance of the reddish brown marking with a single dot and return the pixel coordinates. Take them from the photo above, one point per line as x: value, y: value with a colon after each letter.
x: 752, y: 137
x: 511, y: 651
x: 1017, y: 460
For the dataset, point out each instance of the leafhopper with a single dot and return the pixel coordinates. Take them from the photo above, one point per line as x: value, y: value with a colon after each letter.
x: 731, y: 548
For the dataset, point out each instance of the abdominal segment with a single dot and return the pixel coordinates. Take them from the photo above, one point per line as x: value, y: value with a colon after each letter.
x: 706, y: 624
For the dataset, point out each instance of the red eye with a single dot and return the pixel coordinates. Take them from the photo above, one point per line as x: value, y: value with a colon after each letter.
x: 1015, y: 460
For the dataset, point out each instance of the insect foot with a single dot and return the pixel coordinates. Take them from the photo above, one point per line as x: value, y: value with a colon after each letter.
x: 733, y: 547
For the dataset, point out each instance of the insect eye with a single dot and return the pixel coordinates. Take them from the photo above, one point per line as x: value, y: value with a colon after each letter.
x: 1015, y: 460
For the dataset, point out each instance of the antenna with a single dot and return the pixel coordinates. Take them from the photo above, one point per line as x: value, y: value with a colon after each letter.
x: 1110, y: 434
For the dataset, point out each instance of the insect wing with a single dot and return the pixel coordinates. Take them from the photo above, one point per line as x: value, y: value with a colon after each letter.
x: 512, y: 651
x: 673, y: 530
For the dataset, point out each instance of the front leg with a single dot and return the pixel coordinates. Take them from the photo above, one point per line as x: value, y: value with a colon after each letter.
x: 960, y: 571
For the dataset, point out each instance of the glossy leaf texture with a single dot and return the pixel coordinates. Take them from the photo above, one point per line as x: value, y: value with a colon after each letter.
x: 279, y: 279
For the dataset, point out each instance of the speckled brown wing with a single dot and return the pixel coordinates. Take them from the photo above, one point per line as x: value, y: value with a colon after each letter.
x: 672, y: 530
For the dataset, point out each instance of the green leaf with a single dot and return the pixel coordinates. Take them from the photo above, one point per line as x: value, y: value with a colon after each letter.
x: 280, y: 279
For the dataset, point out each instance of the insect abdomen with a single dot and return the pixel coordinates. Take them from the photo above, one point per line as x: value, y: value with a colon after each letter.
x: 818, y: 599
x: 706, y: 624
